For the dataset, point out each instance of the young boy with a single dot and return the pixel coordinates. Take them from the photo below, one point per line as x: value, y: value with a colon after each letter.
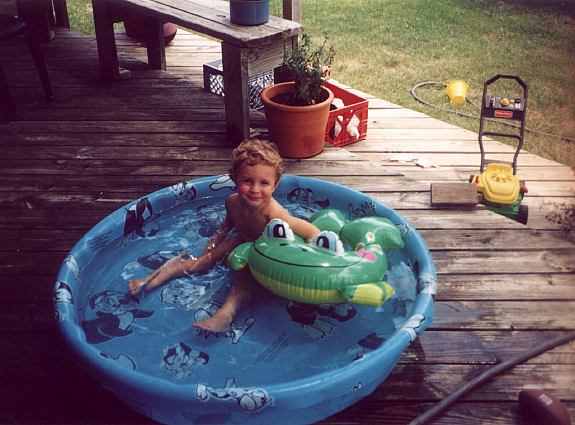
x: 256, y: 171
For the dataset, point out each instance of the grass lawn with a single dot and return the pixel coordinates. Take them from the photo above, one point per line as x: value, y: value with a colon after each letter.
x: 385, y: 47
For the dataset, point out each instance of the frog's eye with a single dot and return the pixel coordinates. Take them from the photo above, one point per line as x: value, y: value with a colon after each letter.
x: 278, y: 229
x: 328, y: 240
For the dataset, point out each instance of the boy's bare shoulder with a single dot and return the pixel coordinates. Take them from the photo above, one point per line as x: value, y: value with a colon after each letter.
x: 232, y: 200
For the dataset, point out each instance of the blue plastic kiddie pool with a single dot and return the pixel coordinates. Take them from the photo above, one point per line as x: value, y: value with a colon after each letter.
x: 281, y: 362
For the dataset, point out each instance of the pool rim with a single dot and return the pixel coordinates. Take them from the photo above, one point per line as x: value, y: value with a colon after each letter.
x: 88, y: 354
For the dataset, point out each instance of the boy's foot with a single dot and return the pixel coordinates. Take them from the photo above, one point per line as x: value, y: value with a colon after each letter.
x: 136, y: 285
x: 221, y: 321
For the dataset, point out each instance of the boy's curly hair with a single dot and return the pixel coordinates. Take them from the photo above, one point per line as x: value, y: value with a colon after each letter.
x: 253, y: 152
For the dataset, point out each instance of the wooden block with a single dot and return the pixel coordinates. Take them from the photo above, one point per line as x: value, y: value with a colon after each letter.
x: 454, y: 194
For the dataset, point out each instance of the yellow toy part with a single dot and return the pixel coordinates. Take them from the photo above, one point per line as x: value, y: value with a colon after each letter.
x: 498, y: 184
x: 373, y: 294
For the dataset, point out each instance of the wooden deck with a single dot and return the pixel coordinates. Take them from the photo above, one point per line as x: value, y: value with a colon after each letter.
x: 502, y: 288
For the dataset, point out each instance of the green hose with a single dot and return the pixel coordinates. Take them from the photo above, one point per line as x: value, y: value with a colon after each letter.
x: 488, y: 374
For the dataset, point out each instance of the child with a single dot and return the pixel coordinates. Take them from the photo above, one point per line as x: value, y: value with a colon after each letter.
x: 256, y: 171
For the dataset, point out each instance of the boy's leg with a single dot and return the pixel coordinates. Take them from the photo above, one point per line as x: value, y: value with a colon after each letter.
x: 179, y: 266
x: 175, y: 267
x: 240, y: 294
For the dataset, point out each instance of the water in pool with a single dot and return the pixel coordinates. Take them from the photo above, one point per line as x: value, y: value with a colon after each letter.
x: 153, y: 333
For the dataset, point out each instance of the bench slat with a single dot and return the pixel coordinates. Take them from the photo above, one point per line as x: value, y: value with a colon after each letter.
x: 211, y: 17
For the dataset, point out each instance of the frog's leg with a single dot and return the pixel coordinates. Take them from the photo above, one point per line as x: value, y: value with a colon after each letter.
x: 328, y: 219
x: 374, y: 294
x: 238, y: 258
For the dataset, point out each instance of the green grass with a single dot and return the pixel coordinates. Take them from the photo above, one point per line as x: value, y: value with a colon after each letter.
x: 385, y: 47
x: 80, y: 14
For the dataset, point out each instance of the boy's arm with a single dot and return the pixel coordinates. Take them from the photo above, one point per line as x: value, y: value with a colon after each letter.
x: 299, y: 226
x: 302, y: 228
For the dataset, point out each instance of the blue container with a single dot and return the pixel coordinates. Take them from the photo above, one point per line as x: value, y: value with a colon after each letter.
x: 281, y: 362
x: 249, y: 12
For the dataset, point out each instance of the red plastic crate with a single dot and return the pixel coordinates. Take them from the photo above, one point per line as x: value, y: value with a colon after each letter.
x: 353, y: 105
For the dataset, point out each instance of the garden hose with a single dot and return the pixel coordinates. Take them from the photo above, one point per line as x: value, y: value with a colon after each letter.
x: 413, y: 92
x: 488, y: 374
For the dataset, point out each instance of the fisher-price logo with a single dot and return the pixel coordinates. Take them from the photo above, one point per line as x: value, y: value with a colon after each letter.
x: 503, y: 114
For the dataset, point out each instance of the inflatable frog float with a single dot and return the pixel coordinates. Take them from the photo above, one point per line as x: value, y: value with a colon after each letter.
x: 322, y: 271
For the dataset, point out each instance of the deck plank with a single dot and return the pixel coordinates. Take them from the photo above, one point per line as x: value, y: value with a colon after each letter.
x: 65, y: 165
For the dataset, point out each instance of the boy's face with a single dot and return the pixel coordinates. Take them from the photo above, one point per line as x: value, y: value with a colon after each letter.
x: 256, y: 183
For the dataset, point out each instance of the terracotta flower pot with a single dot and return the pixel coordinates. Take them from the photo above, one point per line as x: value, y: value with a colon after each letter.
x: 298, y: 131
x: 136, y: 29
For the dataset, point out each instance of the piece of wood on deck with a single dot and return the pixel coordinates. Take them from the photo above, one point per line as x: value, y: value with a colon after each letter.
x: 453, y: 195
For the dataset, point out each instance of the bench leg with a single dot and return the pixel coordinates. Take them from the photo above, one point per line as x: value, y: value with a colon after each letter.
x: 155, y: 43
x: 36, y: 52
x: 107, y: 52
x: 61, y: 13
x: 6, y: 104
x: 235, y: 64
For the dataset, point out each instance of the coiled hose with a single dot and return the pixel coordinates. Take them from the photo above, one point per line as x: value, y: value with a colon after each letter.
x: 414, y: 89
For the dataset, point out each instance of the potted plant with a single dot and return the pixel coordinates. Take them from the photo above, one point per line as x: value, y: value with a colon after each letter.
x: 297, y: 111
x: 249, y: 12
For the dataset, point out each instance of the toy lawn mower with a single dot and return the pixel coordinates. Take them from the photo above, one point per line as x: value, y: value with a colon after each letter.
x: 500, y: 188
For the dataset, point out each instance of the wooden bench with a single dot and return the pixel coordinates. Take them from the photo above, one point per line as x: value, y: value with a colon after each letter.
x: 246, y: 50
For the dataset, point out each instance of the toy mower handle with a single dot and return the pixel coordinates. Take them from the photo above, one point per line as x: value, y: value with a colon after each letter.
x: 506, y: 77
x: 519, y: 137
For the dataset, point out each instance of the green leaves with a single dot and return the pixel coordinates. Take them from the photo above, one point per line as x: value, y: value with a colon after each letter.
x: 309, y: 65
